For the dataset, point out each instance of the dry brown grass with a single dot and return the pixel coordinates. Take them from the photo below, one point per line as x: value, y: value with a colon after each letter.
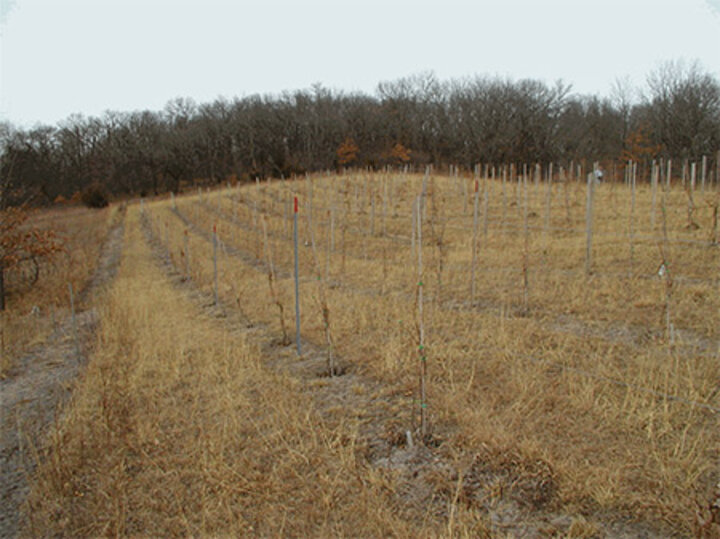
x: 588, y: 381
x: 178, y: 427
x: 32, y: 313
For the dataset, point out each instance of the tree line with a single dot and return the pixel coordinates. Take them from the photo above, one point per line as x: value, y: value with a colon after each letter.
x: 418, y: 120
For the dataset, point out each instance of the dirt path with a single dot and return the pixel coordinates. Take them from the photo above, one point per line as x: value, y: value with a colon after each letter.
x: 41, y: 382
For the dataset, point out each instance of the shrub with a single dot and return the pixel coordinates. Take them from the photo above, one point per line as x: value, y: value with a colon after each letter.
x: 95, y: 196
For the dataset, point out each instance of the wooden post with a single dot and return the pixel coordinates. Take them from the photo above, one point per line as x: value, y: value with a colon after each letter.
x: 521, y: 179
x: 328, y: 253
x: 288, y: 213
x: 473, y: 261
x: 365, y: 190
x: 504, y: 197
x: 548, y: 201
x: 215, y: 270
x: 564, y: 178
x: 633, y: 181
x: 664, y: 272
x: 526, y: 249
x: 391, y: 195
x: 310, y: 201
x: 413, y: 221
x: 297, y: 278
x: 653, y: 185
x: 424, y: 191
x: 589, y: 224
x: 421, y: 326
x: 465, y: 193
x: 384, y: 207
x: 486, y: 203
x: 332, y: 224
x: 693, y: 175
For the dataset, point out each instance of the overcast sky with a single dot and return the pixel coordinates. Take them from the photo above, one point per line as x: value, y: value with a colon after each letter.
x: 61, y: 57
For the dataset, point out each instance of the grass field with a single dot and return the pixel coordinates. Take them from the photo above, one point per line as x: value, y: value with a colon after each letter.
x: 562, y: 395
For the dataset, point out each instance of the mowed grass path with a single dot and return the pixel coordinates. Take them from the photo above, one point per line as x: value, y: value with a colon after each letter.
x: 178, y: 429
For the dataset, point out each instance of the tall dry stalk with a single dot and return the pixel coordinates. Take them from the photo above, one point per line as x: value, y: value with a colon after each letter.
x: 486, y: 204
x: 548, y: 201
x: 691, y: 223
x: 632, y: 171
x: 665, y: 275
x: 413, y: 228
x: 324, y: 307
x: 465, y: 192
x: 272, y: 278
x: 654, y: 177
x: 437, y: 231
x: 421, y: 326
x: 186, y: 254
x: 474, y: 247
x: 215, y: 265
x: 566, y: 192
x: 714, y: 204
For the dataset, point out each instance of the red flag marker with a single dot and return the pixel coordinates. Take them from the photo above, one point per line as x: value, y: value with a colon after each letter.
x: 476, y: 185
x: 296, y: 205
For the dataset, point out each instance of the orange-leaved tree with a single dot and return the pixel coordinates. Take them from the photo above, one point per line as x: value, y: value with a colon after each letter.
x: 400, y: 153
x: 22, y: 243
x: 347, y: 152
x: 638, y: 146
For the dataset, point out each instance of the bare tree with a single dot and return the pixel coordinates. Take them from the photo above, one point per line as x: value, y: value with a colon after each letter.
x: 683, y: 109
